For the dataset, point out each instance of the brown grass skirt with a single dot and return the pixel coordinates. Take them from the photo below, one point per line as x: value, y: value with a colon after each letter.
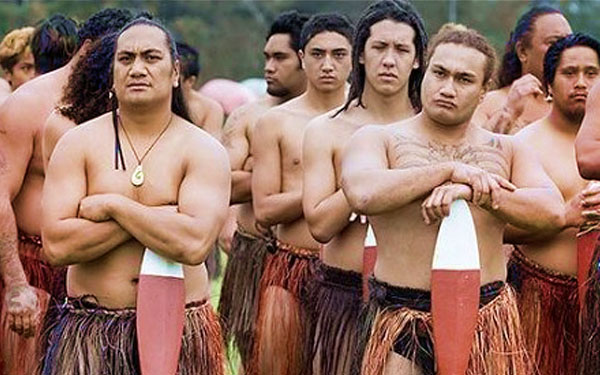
x: 90, y: 340
x: 549, y: 312
x: 238, y: 305
x: 498, y: 346
x: 16, y: 350
x: 589, y: 351
x: 283, y: 322
x: 335, y: 302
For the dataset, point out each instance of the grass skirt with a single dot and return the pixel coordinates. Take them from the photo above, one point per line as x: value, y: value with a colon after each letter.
x: 89, y: 339
x: 549, y: 312
x: 238, y: 306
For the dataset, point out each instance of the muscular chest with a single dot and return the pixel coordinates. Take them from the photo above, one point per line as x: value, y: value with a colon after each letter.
x: 163, y: 174
x: 489, y: 155
x: 291, y: 151
x: 561, y: 167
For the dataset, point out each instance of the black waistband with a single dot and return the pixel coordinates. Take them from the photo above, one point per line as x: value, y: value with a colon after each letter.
x: 338, y: 277
x: 387, y: 295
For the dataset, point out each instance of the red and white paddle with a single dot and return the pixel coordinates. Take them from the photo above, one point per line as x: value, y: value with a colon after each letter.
x: 160, y: 314
x: 369, y: 259
x: 455, y: 283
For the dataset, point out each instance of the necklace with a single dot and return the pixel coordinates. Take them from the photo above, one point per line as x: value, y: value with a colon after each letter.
x: 137, y: 177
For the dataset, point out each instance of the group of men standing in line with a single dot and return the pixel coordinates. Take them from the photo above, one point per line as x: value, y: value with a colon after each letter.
x: 314, y: 167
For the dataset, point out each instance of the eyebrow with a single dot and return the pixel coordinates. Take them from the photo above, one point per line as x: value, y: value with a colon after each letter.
x: 467, y: 73
x: 146, y: 51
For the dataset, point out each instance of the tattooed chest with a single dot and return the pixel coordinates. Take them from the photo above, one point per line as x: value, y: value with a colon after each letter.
x: 409, y: 153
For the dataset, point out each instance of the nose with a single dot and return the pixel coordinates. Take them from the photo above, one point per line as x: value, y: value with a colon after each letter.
x: 138, y: 68
x: 582, y: 82
x: 269, y: 66
x: 447, y: 88
x: 388, y: 59
x: 327, y: 64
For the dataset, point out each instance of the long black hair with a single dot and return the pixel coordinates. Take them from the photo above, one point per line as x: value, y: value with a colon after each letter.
x: 511, y: 68
x: 395, y: 10
x: 178, y: 104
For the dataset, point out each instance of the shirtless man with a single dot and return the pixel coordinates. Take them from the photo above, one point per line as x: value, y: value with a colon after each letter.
x: 205, y: 112
x: 404, y: 177
x: 22, y: 117
x: 98, y: 218
x: 16, y: 58
x: 388, y: 64
x: 520, y: 100
x: 54, y: 42
x: 325, y: 50
x: 543, y: 270
x: 285, y: 80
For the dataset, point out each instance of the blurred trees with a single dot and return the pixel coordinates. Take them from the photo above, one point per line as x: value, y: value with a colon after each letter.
x: 230, y: 33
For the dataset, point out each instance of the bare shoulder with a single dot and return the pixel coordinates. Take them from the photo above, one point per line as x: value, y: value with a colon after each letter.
x: 245, y: 115
x: 198, y: 142
x: 58, y: 124
x: 528, y: 133
x: 495, y: 98
x: 87, y: 135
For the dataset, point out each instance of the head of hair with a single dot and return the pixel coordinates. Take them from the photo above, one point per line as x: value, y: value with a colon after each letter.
x: 398, y: 11
x: 289, y: 23
x: 178, y: 105
x: 86, y: 95
x: 106, y: 21
x: 189, y: 60
x: 14, y: 45
x: 510, y: 67
x: 554, y: 53
x: 54, y: 42
x: 462, y: 35
x: 322, y: 22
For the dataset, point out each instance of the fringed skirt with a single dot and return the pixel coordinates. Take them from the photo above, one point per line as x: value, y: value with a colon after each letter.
x: 589, y: 352
x: 16, y: 350
x: 238, y: 306
x: 549, y: 312
x: 283, y: 326
x: 335, y: 303
x: 398, y: 320
x: 90, y: 340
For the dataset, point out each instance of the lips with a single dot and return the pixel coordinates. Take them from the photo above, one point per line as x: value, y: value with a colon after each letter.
x: 138, y: 85
x: 388, y: 75
x: 445, y: 104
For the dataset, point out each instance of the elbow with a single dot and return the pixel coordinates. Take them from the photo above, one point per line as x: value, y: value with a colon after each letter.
x: 358, y: 198
x: 195, y: 254
x: 319, y: 232
x: 587, y: 162
x: 263, y: 215
x: 53, y: 255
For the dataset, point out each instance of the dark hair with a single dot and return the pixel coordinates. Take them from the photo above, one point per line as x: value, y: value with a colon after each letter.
x: 188, y: 59
x: 178, y: 105
x: 552, y: 57
x: 322, y: 22
x: 462, y: 35
x: 86, y: 95
x: 54, y: 42
x: 289, y: 23
x: 399, y: 11
x: 510, y: 68
x: 104, y: 22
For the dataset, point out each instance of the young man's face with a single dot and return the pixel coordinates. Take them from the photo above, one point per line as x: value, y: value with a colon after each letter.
x: 453, y: 84
x: 282, y: 71
x: 143, y: 70
x: 22, y: 71
x: 576, y: 73
x: 547, y: 29
x: 327, y: 61
x: 389, y: 57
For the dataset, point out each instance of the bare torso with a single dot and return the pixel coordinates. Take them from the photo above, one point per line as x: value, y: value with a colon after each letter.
x: 404, y: 242
x: 206, y: 113
x: 113, y: 277
x: 27, y: 203
x: 558, y: 252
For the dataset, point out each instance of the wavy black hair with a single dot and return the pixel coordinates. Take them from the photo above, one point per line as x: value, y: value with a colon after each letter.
x: 53, y: 43
x: 552, y: 57
x: 290, y: 23
x: 189, y: 60
x: 106, y: 21
x: 511, y: 68
x: 86, y: 95
x: 178, y: 105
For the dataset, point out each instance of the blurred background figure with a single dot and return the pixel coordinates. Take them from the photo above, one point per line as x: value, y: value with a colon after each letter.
x: 228, y: 93
x: 16, y: 58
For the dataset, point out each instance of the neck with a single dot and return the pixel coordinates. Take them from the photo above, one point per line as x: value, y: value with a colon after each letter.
x: 325, y: 101
x: 563, y: 124
x: 147, y: 121
x: 387, y: 108
x: 446, y: 134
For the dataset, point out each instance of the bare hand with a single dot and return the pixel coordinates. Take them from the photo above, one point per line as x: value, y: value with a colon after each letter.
x: 437, y: 205
x: 22, y: 309
x: 95, y: 207
x: 589, y: 204
x: 527, y: 85
x: 486, y: 186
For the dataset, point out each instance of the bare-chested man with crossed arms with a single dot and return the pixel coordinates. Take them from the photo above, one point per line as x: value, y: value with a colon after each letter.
x: 325, y: 49
x: 405, y: 176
